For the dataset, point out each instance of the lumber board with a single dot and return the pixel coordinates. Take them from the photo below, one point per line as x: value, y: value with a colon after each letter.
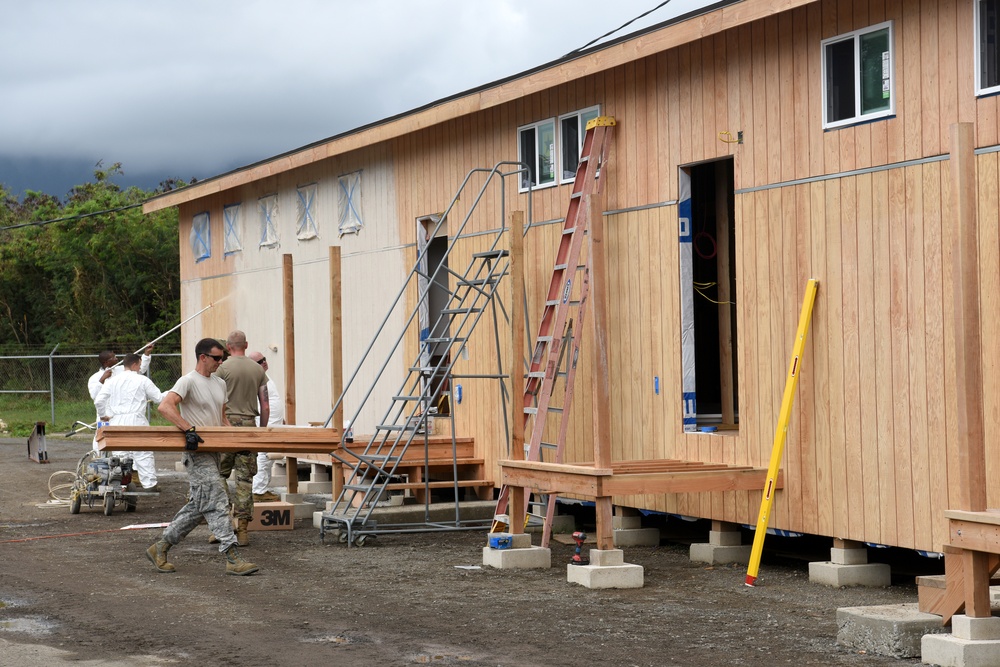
x: 219, y: 439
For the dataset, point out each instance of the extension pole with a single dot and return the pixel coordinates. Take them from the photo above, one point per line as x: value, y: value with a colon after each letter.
x: 781, y: 431
x: 164, y: 335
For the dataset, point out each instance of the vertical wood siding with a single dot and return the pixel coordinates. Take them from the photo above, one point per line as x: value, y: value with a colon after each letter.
x: 872, y: 432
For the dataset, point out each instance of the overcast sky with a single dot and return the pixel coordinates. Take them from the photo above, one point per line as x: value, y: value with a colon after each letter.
x: 193, y: 89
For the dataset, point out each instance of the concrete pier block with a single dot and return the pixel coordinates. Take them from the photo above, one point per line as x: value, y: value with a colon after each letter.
x: 520, y: 556
x: 637, y: 537
x: 894, y: 630
x: 875, y: 575
x: 973, y: 642
x: 725, y: 545
x: 302, y: 509
x: 607, y: 569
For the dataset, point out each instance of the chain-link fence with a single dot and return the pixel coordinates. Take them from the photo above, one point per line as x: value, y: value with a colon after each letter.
x: 52, y: 388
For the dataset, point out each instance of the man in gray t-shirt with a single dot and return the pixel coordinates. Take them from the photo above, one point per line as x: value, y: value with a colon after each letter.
x: 199, y: 399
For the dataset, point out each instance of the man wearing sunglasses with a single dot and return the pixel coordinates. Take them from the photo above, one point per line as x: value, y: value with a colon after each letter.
x: 246, y: 399
x: 199, y: 399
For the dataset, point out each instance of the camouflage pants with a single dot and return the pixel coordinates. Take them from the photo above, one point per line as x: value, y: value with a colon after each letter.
x: 208, y: 499
x: 245, y: 465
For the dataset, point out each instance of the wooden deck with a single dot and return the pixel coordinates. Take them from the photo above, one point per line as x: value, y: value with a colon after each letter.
x: 633, y: 477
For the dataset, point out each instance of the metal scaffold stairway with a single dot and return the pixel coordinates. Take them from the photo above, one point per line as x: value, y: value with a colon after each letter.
x: 561, y: 326
x: 471, y: 294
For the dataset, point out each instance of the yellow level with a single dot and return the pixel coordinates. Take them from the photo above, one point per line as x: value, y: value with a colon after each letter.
x: 778, y: 447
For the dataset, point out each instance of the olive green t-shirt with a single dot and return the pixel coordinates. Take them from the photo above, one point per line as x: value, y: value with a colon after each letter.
x: 243, y: 377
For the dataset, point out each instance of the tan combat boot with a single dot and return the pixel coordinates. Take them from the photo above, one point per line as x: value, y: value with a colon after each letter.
x: 236, y: 565
x: 242, y: 534
x: 157, y: 555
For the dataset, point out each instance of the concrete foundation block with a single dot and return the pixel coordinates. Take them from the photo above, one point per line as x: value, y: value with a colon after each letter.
x: 637, y: 537
x: 875, y: 575
x: 976, y: 629
x: 301, y: 509
x: 530, y: 558
x: 319, y: 473
x: 179, y: 467
x: 625, y: 575
x: 318, y: 519
x: 725, y: 538
x: 606, y: 557
x: 561, y: 523
x: 894, y: 630
x: 951, y: 651
x: 848, y: 556
x: 629, y: 522
x: 714, y: 554
x: 321, y: 487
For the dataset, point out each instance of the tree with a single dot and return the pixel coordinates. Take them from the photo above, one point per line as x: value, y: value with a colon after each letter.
x: 103, y: 273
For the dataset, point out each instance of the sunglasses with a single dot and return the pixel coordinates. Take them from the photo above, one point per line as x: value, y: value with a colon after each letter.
x: 262, y: 361
x: 217, y: 357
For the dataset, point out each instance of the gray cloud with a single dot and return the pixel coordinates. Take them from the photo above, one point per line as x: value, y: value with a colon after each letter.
x: 193, y: 88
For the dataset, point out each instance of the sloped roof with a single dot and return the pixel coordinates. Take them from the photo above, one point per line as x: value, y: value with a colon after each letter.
x: 708, y: 20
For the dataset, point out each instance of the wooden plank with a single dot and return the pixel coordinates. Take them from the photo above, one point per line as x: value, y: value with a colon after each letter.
x: 909, y: 83
x: 289, y: 329
x: 882, y: 343
x: 832, y: 296
x: 851, y: 355
x: 972, y: 454
x: 687, y: 482
x: 988, y: 201
x: 336, y: 358
x: 899, y: 336
x: 219, y: 439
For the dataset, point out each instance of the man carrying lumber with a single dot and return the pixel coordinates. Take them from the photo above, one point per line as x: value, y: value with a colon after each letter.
x: 199, y: 399
x: 246, y: 389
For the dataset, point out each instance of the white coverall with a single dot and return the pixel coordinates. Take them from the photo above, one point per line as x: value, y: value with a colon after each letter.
x: 263, y: 477
x: 94, y: 384
x: 123, y: 398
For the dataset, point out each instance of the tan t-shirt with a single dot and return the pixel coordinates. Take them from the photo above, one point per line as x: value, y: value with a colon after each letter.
x: 202, y: 398
x: 243, y: 377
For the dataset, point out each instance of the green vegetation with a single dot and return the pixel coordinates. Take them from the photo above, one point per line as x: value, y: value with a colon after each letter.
x: 20, y: 412
x: 102, y: 280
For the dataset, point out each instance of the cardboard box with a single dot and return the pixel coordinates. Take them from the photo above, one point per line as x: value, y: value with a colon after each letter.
x: 272, y: 516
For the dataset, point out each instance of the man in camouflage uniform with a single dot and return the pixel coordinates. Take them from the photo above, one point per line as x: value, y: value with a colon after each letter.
x: 199, y: 399
x: 246, y: 389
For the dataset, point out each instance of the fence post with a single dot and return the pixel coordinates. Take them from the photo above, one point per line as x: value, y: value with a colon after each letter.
x: 52, y: 386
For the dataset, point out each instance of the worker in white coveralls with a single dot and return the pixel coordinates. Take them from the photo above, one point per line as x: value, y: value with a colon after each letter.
x: 122, y: 402
x: 109, y: 368
x: 262, y: 480
x: 199, y: 399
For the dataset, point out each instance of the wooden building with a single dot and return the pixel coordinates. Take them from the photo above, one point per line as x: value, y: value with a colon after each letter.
x: 808, y: 139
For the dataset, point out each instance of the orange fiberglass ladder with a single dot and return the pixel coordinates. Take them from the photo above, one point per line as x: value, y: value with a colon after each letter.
x: 558, y: 337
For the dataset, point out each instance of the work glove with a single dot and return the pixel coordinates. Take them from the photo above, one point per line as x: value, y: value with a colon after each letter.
x: 191, y: 439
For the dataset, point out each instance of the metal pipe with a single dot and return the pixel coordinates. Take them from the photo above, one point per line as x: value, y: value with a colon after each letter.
x: 52, y: 386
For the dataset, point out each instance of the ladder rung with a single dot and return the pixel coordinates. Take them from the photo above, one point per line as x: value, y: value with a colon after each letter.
x: 408, y: 398
x: 378, y: 458
x: 423, y: 369
x: 490, y: 254
x: 536, y: 374
x: 544, y: 339
x: 480, y: 281
x: 460, y: 311
x: 569, y: 231
x: 531, y: 411
x: 398, y: 428
x: 560, y: 267
x: 554, y: 302
x: 584, y: 159
x: 556, y: 410
x: 576, y: 195
x: 549, y: 445
x: 444, y: 340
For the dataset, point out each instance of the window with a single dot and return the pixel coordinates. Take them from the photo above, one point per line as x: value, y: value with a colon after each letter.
x: 987, y: 53
x: 305, y: 223
x: 536, y: 148
x: 231, y: 215
x: 572, y: 130
x: 349, y: 200
x: 268, y: 221
x: 857, y: 76
x: 201, y: 237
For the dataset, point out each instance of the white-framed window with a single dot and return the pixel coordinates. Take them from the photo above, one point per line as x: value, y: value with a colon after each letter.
x: 987, y: 49
x: 201, y: 237
x: 349, y: 203
x: 268, y: 207
x: 305, y: 221
x: 234, y: 229
x: 858, y: 82
x: 536, y: 147
x: 572, y: 130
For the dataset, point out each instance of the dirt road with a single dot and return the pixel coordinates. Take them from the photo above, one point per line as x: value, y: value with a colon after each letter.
x: 87, y: 593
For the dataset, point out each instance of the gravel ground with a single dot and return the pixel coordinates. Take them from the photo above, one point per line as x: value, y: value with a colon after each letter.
x: 75, y: 589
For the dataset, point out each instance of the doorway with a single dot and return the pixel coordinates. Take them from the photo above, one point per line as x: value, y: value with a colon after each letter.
x: 706, y: 211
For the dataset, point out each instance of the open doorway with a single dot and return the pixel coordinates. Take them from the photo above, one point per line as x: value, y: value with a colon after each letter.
x: 433, y: 327
x: 708, y: 288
